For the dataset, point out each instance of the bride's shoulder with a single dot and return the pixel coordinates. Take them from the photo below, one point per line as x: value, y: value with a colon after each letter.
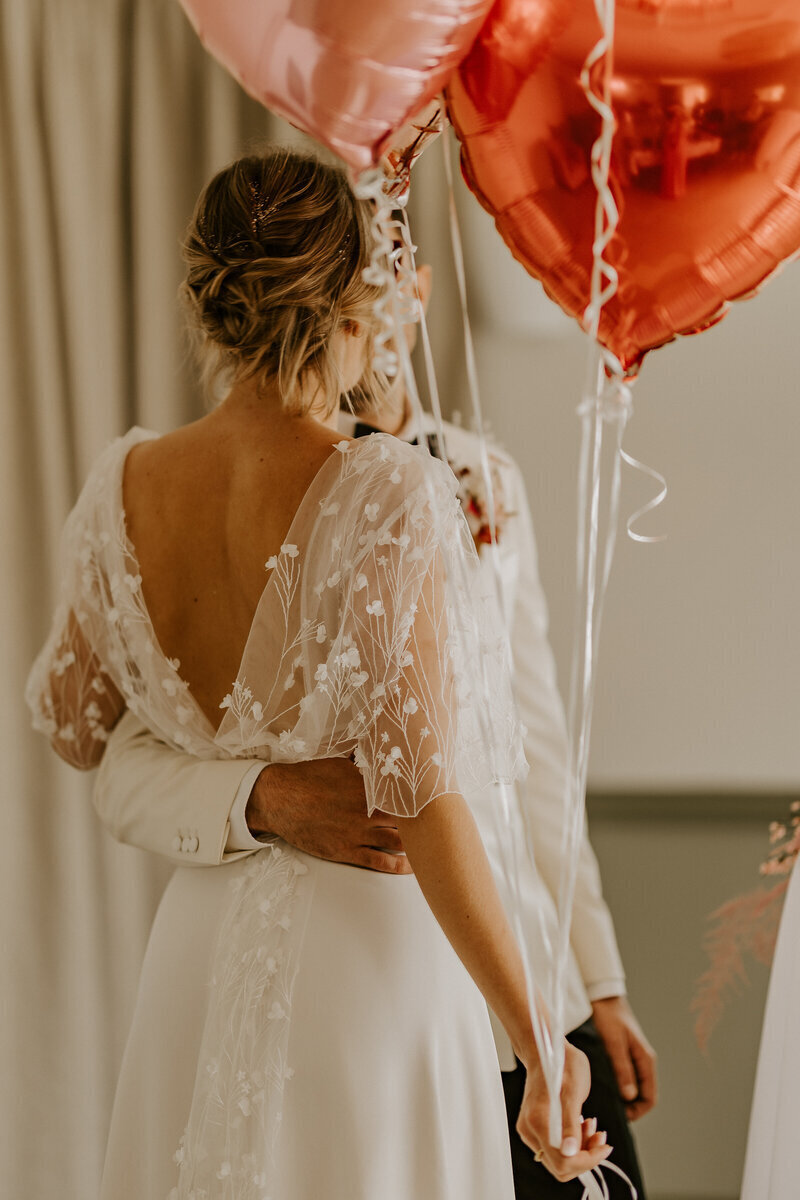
x: 105, y: 472
x: 397, y: 467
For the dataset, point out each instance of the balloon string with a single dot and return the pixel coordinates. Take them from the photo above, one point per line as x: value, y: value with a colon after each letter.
x: 606, y: 397
x: 398, y: 304
x: 606, y: 218
x: 549, y: 1040
x: 607, y: 401
x: 657, y: 500
x: 385, y: 264
x: 595, y: 1185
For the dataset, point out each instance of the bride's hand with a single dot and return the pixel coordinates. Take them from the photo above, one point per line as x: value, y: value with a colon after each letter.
x: 582, y: 1145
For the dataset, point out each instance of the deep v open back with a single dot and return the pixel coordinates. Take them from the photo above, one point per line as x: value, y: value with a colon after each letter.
x: 360, y: 641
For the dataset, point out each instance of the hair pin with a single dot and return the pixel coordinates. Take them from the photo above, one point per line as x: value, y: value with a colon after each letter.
x: 260, y: 211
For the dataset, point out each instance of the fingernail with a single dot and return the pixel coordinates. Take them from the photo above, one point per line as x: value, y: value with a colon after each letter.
x: 569, y: 1146
x: 629, y: 1092
x: 603, y: 1137
x: 592, y: 1126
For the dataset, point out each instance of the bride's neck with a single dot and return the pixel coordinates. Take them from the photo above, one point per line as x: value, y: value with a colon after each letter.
x: 247, y: 404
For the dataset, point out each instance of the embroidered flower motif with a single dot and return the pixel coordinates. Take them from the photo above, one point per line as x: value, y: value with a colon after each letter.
x: 64, y: 661
x: 271, y: 562
x: 321, y: 673
x: 360, y: 584
x: 287, y: 741
x: 391, y: 762
x: 375, y: 609
x: 371, y: 511
x: 410, y: 705
x: 321, y: 634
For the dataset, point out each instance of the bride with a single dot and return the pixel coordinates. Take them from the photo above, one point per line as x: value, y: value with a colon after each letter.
x: 253, y: 584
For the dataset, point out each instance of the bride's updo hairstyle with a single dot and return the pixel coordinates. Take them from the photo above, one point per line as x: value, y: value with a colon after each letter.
x: 274, y: 258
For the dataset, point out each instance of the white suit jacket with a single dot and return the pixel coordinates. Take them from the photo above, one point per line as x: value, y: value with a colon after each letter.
x: 150, y: 796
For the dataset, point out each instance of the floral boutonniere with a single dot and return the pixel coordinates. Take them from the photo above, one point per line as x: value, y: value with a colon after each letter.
x: 475, y: 503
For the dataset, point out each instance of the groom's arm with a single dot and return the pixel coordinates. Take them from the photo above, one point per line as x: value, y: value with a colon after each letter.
x: 592, y: 936
x: 207, y: 812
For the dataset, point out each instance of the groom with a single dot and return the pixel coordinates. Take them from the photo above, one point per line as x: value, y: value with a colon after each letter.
x: 210, y: 812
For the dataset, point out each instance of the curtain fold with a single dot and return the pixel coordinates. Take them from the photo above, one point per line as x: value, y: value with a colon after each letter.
x: 111, y: 119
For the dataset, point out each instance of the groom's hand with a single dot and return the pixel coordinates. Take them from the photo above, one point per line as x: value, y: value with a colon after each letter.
x: 632, y: 1056
x: 320, y: 808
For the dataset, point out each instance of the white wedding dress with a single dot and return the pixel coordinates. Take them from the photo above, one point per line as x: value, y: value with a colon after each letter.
x: 772, y: 1166
x: 303, y: 1029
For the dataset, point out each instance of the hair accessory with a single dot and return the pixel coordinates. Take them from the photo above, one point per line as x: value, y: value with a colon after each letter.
x: 345, y: 246
x: 211, y: 246
x: 260, y: 211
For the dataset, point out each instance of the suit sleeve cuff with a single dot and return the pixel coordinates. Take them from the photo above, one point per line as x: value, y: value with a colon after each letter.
x: 239, y: 836
x: 605, y: 989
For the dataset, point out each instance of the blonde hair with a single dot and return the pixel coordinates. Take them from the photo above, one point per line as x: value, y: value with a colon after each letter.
x: 274, y: 258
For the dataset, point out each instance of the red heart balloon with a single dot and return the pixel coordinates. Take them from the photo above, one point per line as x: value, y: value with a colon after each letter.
x: 349, y: 72
x: 706, y: 156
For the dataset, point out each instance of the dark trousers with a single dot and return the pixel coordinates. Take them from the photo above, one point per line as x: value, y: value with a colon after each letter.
x: 532, y: 1181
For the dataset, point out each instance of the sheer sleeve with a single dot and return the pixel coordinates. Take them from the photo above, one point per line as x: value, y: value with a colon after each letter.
x: 392, y: 654
x: 440, y: 716
x: 70, y: 690
x: 72, y: 697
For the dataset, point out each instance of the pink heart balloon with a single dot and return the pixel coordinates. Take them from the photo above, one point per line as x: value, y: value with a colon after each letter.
x: 349, y: 72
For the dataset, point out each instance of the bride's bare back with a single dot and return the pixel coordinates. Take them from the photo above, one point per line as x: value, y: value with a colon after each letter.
x: 205, y: 507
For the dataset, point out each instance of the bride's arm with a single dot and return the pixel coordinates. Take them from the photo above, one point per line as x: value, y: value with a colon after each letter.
x: 73, y: 699
x: 446, y: 852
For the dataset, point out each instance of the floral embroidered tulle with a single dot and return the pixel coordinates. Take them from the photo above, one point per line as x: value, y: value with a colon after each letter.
x: 372, y: 638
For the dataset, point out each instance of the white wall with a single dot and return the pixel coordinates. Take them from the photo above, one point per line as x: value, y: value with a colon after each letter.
x: 701, y: 642
x: 700, y: 648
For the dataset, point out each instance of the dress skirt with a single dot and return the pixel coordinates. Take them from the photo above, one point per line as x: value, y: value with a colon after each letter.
x: 393, y: 1092
x: 772, y: 1165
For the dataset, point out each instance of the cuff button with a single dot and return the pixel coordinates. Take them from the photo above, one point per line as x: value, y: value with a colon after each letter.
x: 176, y: 844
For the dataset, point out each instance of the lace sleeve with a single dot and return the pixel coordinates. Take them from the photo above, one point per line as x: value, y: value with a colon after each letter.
x: 373, y: 638
x: 72, y: 698
x: 69, y: 691
x: 419, y: 661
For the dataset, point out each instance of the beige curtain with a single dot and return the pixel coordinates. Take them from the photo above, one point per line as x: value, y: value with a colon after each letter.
x: 111, y: 118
